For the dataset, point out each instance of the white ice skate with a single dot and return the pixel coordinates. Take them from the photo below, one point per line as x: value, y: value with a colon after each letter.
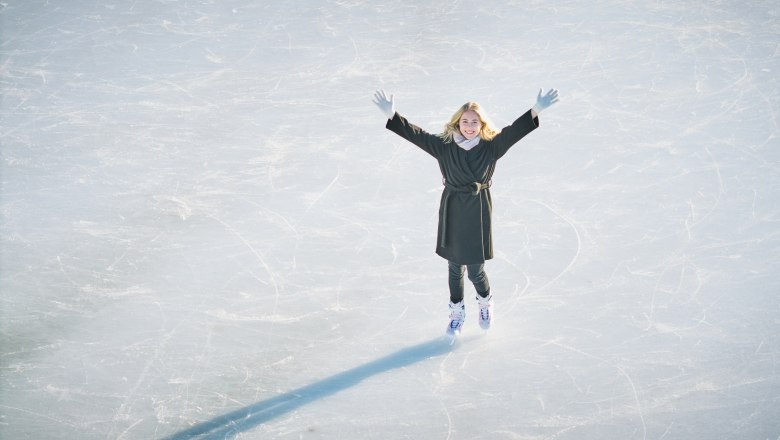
x: 457, y: 316
x: 485, y: 311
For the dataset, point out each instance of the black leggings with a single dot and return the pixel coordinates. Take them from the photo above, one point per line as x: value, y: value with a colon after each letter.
x: 477, y: 276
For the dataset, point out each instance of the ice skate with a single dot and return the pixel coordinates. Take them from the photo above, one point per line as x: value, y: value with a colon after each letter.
x: 457, y: 316
x: 485, y: 311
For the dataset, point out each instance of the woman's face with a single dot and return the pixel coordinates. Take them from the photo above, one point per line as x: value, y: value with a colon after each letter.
x: 470, y: 125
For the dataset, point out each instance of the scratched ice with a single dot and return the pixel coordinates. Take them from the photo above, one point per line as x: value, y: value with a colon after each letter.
x: 208, y: 233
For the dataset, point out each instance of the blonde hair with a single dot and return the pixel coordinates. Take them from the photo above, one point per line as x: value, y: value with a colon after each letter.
x: 487, y: 132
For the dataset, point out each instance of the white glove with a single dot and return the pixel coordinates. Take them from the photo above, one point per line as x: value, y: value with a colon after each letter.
x: 542, y: 102
x: 385, y: 104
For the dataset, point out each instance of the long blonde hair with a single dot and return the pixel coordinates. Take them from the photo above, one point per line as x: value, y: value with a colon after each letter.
x: 487, y: 132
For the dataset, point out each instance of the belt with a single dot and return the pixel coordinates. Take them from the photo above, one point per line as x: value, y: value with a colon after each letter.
x: 473, y: 188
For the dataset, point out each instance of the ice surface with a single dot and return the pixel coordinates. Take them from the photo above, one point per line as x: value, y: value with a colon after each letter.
x: 208, y: 233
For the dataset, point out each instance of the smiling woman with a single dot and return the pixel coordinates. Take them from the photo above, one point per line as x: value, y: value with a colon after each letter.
x: 469, y: 122
x: 467, y: 152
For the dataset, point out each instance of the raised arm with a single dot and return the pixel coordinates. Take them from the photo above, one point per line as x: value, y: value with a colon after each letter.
x: 525, y: 124
x: 427, y: 142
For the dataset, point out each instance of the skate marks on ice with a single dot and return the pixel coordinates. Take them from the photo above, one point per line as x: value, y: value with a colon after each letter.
x: 573, y: 246
x: 249, y: 417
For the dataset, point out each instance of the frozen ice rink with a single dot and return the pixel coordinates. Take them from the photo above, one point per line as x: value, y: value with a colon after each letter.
x: 207, y: 232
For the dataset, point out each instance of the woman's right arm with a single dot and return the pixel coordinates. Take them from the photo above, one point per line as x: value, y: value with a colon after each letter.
x: 427, y: 142
x: 396, y: 123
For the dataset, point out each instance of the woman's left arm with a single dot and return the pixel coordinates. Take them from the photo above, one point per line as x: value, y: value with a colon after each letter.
x: 509, y: 136
x: 525, y: 124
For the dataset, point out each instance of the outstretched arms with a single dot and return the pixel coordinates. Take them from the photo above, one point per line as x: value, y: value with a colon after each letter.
x: 386, y: 103
x: 434, y: 145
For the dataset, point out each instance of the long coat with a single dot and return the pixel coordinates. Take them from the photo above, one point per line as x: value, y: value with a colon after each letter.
x: 465, y: 210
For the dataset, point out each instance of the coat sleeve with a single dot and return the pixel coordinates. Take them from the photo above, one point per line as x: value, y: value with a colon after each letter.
x: 509, y: 136
x: 429, y: 143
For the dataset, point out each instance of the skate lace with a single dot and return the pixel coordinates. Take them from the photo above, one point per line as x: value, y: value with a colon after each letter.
x: 456, y: 318
x: 484, y: 313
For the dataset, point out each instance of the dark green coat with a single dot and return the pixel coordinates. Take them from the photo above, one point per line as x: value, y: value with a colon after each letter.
x: 465, y: 211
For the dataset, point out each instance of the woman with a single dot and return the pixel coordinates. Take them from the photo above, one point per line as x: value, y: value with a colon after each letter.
x: 467, y: 152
